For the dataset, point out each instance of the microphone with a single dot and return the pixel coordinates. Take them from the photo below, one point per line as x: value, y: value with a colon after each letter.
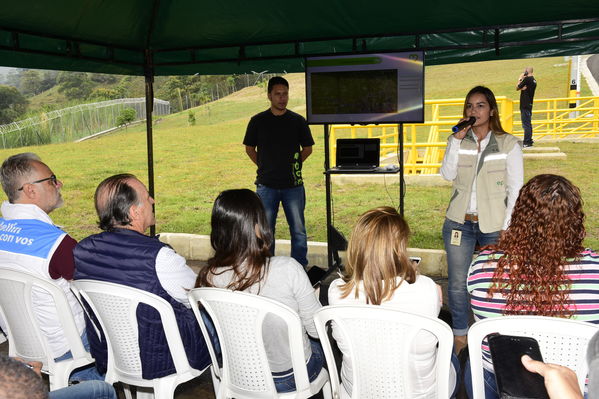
x: 463, y: 124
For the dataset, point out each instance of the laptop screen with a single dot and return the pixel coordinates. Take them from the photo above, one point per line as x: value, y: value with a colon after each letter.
x: 358, y: 152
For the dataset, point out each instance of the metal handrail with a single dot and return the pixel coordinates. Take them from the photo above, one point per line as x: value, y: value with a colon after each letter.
x: 424, y: 143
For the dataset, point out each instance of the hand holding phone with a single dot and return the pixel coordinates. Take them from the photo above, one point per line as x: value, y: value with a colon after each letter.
x: 560, y: 381
x: 513, y: 379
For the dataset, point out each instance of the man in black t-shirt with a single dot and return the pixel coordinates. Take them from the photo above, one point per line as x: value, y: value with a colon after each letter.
x: 527, y: 85
x: 278, y: 141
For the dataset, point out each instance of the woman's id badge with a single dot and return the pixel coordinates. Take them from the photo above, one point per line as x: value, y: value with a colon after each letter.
x: 456, y: 237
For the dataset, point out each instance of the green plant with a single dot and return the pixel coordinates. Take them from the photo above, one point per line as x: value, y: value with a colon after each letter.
x: 191, y: 118
x: 125, y: 117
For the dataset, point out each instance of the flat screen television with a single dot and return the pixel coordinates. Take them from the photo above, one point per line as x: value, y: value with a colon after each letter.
x: 365, y: 88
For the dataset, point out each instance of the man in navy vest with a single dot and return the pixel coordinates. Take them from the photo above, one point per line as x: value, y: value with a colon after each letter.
x: 30, y: 242
x: 123, y: 254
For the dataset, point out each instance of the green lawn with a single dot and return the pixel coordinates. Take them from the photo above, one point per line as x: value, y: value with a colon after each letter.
x: 194, y: 163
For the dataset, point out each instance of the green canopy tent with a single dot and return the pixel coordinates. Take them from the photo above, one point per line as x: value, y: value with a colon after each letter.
x: 184, y: 37
x: 168, y: 37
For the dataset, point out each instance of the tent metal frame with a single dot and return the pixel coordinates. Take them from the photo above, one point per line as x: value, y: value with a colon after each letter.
x: 490, y: 39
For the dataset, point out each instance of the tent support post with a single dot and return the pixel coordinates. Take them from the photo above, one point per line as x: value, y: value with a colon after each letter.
x: 149, y: 75
x: 402, y: 183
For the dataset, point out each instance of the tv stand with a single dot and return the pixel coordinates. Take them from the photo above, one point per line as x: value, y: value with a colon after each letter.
x: 335, y: 240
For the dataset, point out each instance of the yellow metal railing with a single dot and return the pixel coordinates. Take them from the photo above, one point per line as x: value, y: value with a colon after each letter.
x: 424, y: 143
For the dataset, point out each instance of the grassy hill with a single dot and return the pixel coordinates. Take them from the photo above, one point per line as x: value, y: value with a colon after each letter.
x: 194, y: 163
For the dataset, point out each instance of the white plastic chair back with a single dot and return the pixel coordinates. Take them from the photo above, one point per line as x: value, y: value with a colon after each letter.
x: 115, y: 307
x: 238, y: 319
x: 25, y: 338
x: 379, y: 340
x: 562, y: 341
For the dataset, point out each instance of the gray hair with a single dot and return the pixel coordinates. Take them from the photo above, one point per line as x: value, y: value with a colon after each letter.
x: 13, y: 170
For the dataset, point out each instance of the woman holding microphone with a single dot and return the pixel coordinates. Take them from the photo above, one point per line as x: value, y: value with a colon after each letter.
x: 485, y: 165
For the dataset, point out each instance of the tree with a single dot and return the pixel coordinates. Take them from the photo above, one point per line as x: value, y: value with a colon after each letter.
x: 74, y: 85
x: 103, y: 94
x: 31, y: 82
x: 49, y: 80
x: 103, y: 78
x: 12, y: 104
x: 13, y: 78
x: 125, y: 117
x: 191, y: 118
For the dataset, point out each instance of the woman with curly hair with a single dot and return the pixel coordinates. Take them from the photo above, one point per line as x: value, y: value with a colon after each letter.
x: 539, y: 266
x: 241, y: 240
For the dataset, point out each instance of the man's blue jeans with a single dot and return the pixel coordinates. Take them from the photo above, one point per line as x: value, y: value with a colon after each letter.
x: 85, y: 390
x: 459, y: 258
x: 85, y: 373
x: 294, y: 203
x: 526, y: 117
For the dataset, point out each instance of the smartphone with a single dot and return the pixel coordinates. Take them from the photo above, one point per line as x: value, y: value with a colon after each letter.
x: 415, y: 259
x: 513, y: 380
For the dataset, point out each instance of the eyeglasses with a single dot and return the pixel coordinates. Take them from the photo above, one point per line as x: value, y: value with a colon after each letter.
x: 52, y: 178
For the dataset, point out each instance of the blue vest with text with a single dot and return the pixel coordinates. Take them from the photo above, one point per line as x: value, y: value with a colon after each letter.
x: 28, y: 236
x: 129, y: 258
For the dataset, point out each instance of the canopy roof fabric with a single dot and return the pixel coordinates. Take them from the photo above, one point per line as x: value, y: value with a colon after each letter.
x: 177, y: 37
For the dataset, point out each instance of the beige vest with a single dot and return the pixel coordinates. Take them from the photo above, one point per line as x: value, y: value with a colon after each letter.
x: 491, y: 185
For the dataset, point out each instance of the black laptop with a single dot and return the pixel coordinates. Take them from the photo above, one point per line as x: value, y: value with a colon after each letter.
x: 358, y: 154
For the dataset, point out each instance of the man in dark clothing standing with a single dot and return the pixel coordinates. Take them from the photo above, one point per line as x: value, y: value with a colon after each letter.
x: 278, y: 141
x: 527, y: 85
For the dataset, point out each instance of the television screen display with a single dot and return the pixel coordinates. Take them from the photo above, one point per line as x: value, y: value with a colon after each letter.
x: 365, y: 88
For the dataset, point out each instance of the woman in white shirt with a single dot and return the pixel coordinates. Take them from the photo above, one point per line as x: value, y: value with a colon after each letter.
x: 379, y: 272
x: 241, y: 240
x: 484, y: 164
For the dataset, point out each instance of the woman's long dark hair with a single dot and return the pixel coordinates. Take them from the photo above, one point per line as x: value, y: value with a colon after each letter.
x: 546, y: 230
x: 241, y: 240
x: 494, y: 121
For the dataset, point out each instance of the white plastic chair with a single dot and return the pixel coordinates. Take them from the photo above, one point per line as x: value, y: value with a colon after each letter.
x: 379, y: 340
x: 562, y: 341
x: 115, y: 307
x: 25, y: 338
x: 238, y: 319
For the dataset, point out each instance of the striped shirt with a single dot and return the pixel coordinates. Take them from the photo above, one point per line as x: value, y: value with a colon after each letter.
x: 583, y: 273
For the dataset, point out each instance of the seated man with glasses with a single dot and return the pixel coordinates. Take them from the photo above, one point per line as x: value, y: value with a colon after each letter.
x: 30, y: 242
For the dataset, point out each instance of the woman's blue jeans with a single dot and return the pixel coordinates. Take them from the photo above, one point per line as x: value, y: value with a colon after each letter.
x: 459, y: 258
x: 489, y: 379
x: 314, y: 365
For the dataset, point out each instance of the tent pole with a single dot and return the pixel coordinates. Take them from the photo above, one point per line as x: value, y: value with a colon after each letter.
x: 402, y: 182
x: 149, y: 75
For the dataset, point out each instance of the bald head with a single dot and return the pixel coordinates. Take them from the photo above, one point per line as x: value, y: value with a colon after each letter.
x: 529, y: 70
x: 17, y: 381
